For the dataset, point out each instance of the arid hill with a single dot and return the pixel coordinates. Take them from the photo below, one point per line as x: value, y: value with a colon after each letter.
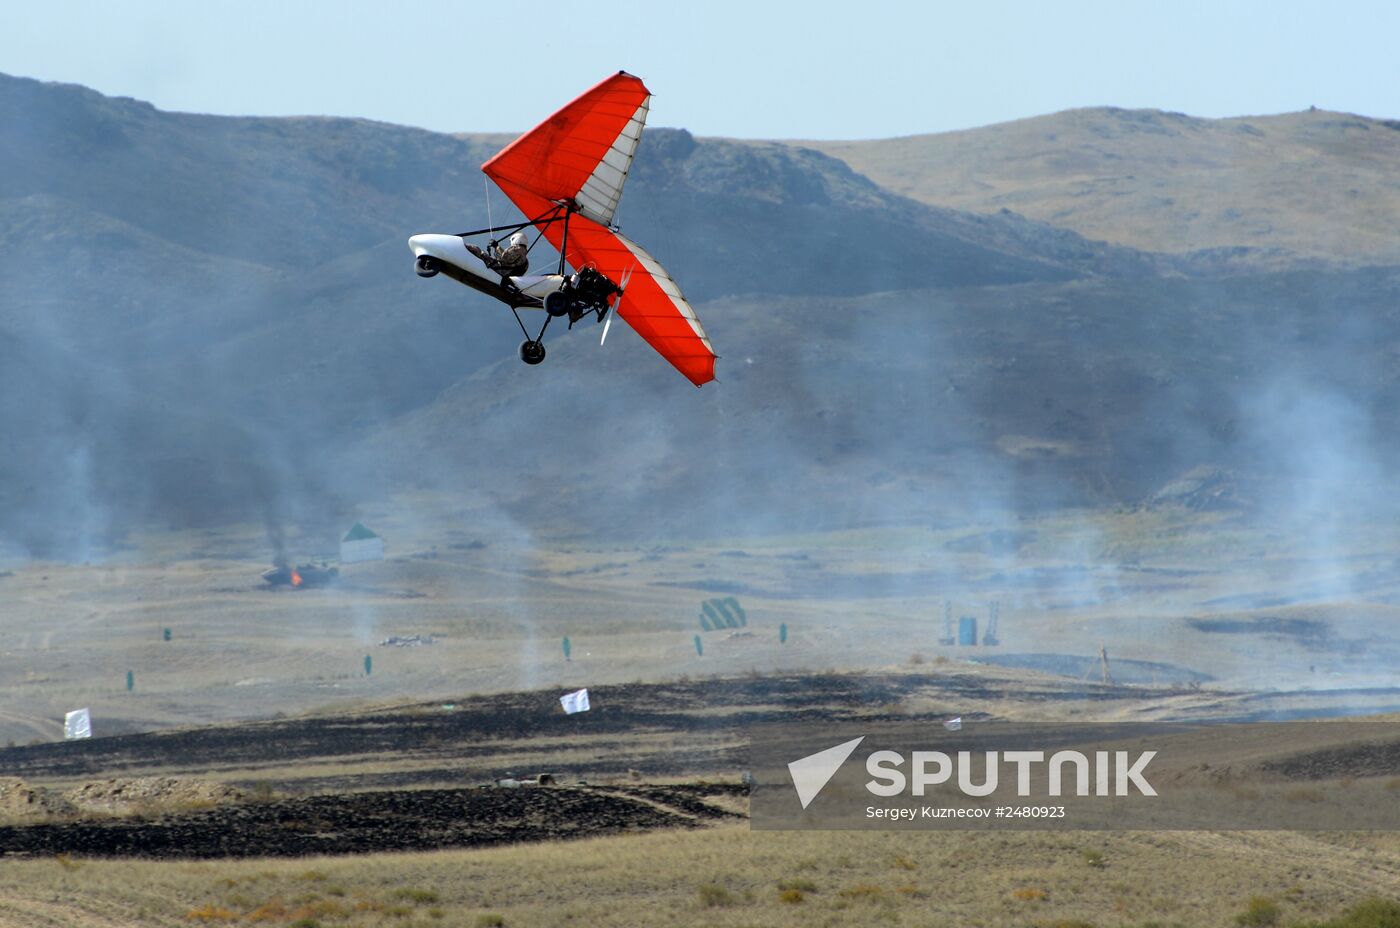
x: 1307, y: 185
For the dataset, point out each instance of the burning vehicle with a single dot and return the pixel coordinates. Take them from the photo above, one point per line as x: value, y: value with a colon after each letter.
x: 301, y: 576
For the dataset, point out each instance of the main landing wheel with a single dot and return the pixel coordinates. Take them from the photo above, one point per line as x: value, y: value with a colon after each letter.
x: 556, y: 303
x: 426, y: 266
x: 531, y: 352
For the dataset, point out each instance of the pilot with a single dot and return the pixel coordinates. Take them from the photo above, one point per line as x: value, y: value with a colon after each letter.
x: 512, y: 261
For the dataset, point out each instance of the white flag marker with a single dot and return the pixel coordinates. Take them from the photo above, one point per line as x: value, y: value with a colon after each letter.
x: 575, y: 702
x: 77, y: 724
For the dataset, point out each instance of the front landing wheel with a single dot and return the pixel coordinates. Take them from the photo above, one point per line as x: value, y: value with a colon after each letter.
x: 531, y: 352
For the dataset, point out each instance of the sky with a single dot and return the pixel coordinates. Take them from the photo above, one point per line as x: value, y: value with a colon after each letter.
x: 816, y: 70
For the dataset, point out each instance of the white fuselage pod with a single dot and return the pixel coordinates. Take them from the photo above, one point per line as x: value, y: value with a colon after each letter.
x: 451, y: 249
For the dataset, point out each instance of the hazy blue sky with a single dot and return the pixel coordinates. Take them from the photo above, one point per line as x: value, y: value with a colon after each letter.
x: 751, y: 69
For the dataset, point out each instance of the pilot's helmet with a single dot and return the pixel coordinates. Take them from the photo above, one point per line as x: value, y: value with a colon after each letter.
x: 519, y: 238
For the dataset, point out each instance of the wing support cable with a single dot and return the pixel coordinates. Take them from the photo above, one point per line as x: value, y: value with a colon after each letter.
x: 543, y: 220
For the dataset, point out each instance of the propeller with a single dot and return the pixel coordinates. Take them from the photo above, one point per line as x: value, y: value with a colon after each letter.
x: 622, y: 285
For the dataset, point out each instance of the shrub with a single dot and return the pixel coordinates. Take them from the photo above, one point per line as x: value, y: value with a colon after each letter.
x: 861, y: 891
x: 806, y: 885
x: 327, y: 908
x: 415, y: 895
x: 490, y: 920
x: 1262, y: 912
x: 791, y: 896
x: 1030, y: 894
x: 211, y: 913
x: 1094, y: 859
x: 273, y: 911
x: 713, y: 895
x: 1368, y: 913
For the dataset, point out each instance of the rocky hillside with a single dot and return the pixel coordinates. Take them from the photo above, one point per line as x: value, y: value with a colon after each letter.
x: 210, y: 319
x: 1268, y: 393
x: 1266, y: 190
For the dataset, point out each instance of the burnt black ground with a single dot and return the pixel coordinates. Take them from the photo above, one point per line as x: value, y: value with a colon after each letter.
x: 706, y: 716
x: 679, y: 730
x: 356, y: 823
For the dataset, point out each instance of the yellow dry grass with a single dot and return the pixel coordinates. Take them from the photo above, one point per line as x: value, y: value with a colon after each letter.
x: 730, y: 876
x: 240, y: 651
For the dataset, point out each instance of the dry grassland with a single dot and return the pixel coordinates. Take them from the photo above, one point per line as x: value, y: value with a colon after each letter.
x: 853, y: 600
x: 729, y: 876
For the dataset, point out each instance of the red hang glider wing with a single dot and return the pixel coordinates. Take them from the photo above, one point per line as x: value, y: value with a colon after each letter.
x: 582, y: 153
x: 581, y: 156
x: 653, y: 304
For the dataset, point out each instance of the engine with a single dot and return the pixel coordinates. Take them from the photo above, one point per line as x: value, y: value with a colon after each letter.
x: 591, y: 289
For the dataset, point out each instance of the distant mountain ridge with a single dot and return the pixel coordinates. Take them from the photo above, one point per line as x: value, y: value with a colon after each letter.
x: 143, y: 210
x: 1314, y: 184
x: 215, y: 318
